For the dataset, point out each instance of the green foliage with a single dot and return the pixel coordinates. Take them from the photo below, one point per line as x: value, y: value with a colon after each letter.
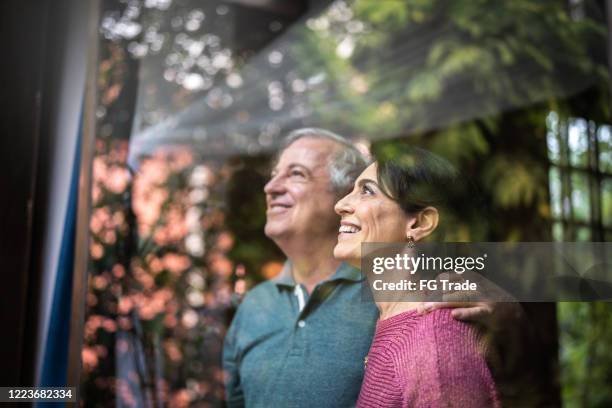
x: 460, y: 143
x: 473, y: 81
x: 586, y: 335
x: 391, y: 15
x: 515, y: 182
x: 414, y: 55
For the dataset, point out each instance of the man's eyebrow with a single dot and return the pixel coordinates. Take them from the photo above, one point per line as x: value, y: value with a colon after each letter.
x: 301, y: 166
x: 293, y: 166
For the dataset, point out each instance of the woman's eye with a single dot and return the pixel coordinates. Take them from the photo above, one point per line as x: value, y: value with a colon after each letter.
x: 366, y: 190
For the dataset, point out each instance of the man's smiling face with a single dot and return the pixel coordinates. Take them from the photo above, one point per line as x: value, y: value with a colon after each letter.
x: 299, y: 196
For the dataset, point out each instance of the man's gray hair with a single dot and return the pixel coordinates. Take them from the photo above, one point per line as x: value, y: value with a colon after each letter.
x: 344, y: 166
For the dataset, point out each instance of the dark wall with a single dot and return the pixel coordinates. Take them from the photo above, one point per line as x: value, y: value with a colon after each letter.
x: 30, y: 37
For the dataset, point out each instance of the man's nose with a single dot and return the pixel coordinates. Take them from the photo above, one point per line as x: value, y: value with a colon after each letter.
x: 344, y: 205
x: 275, y: 185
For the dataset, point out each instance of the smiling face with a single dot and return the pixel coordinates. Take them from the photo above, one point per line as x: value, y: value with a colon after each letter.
x: 368, y: 215
x: 299, y: 196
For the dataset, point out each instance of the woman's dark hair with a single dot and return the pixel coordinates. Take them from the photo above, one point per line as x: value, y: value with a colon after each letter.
x: 416, y: 178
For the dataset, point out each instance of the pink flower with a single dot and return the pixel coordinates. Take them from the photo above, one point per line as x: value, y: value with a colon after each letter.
x: 176, y: 263
x: 96, y: 194
x: 125, y: 305
x: 156, y: 265
x: 170, y: 321
x: 155, y: 170
x: 225, y: 241
x: 116, y: 179
x: 221, y: 266
x: 100, y: 282
x: 96, y: 250
x: 172, y: 351
x: 179, y: 159
x: 89, y: 357
x: 99, y: 218
x: 180, y: 399
x: 118, y: 271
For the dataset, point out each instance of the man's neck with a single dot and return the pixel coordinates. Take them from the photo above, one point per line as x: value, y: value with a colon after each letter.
x: 311, y: 263
x: 312, y: 271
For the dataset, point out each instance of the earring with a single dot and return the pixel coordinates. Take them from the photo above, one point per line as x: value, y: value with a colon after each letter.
x: 411, y: 242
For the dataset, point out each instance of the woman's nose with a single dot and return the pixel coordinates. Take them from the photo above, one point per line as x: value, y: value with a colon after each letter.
x: 344, y: 205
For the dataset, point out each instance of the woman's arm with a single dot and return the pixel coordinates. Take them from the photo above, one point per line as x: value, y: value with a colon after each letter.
x: 446, y: 366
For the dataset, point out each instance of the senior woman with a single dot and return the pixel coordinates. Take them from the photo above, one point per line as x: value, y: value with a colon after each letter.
x: 415, y: 360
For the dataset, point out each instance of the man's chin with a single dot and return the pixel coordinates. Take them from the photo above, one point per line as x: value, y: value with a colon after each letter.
x: 274, y: 231
x: 346, y: 256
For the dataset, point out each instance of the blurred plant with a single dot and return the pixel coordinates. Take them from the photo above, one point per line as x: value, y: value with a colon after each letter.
x: 586, y: 333
x: 157, y: 297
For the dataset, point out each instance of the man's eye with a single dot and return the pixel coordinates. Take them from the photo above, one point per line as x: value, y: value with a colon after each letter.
x: 296, y: 173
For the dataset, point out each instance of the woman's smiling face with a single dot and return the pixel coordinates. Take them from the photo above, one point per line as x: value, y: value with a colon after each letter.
x: 368, y: 215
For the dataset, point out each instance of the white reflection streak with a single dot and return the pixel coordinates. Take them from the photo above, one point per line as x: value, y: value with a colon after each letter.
x: 397, y: 60
x: 390, y: 63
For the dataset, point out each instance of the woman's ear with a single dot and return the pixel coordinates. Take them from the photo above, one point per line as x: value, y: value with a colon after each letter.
x: 423, y: 224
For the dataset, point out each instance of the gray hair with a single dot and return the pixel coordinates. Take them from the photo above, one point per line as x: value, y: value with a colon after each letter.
x: 344, y: 166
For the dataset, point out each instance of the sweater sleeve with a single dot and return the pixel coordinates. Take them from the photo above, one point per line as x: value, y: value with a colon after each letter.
x: 380, y: 387
x: 450, y: 369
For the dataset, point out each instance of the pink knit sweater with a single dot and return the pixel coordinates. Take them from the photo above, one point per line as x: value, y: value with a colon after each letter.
x: 429, y: 360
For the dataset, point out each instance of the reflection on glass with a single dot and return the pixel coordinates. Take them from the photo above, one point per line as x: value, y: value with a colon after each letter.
x: 578, y: 143
x: 555, y: 192
x: 580, y: 197
x: 552, y: 138
x: 583, y: 234
x: 604, y: 136
x: 195, y: 98
x: 606, y: 191
x: 557, y: 232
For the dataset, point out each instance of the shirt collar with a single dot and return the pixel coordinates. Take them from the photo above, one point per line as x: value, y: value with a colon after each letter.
x: 284, y: 278
x: 344, y: 272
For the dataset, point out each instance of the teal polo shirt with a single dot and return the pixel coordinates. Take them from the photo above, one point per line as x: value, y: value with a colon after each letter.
x: 286, y: 348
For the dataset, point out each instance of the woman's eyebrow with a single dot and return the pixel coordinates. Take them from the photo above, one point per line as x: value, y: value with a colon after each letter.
x: 363, y: 182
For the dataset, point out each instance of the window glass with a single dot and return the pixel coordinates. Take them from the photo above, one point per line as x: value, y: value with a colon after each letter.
x: 197, y: 97
x: 578, y: 142
x: 580, y: 197
x: 557, y: 231
x: 555, y: 191
x: 604, y: 137
x: 553, y: 141
x: 583, y: 234
x: 606, y: 192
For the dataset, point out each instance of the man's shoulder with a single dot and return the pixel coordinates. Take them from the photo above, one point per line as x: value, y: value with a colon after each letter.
x: 261, y: 294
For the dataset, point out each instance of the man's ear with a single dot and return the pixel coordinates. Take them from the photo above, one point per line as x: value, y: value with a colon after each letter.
x: 423, y: 224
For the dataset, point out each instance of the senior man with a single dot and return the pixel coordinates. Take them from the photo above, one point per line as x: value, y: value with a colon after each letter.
x: 300, y: 339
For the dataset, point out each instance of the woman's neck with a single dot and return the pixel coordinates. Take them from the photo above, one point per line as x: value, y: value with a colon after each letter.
x: 390, y: 309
